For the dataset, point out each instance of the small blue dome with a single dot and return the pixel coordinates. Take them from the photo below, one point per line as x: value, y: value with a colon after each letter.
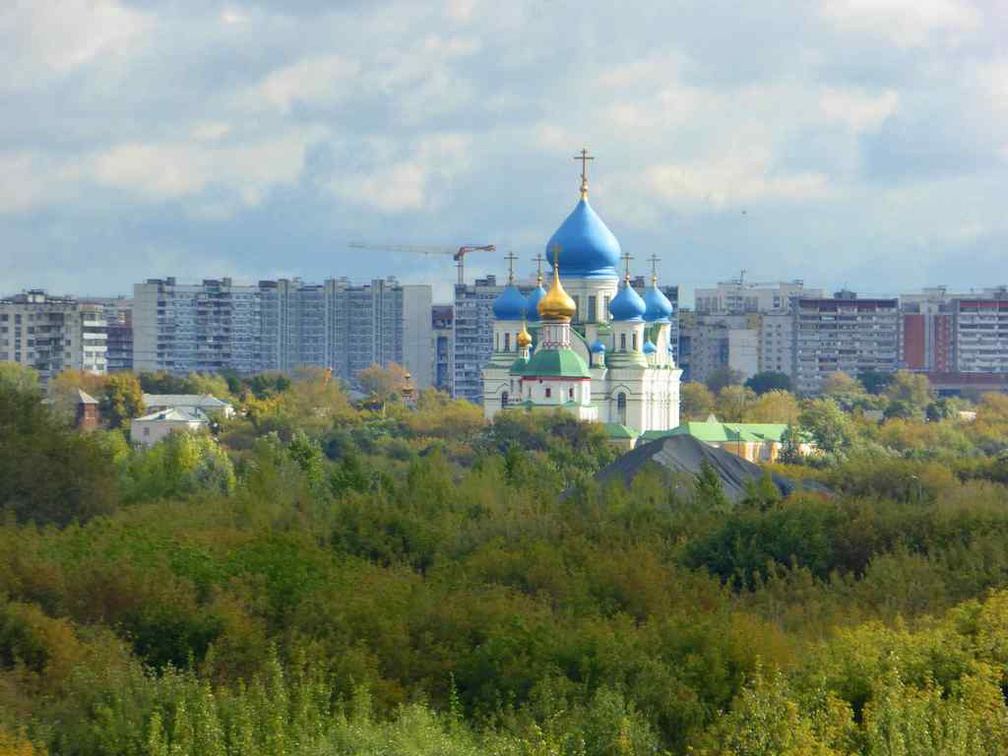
x: 598, y: 347
x: 588, y: 248
x: 627, y: 305
x: 649, y: 347
x: 510, y: 305
x: 659, y: 308
x: 532, y: 308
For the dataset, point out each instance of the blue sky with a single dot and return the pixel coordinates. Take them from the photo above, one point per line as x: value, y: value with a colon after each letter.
x: 857, y: 142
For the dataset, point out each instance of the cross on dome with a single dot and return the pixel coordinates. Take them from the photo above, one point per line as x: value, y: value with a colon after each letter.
x: 510, y: 257
x: 654, y: 260
x: 626, y: 258
x: 584, y: 157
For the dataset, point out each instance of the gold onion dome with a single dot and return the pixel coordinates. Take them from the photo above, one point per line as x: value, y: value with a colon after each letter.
x: 524, y: 338
x: 557, y: 304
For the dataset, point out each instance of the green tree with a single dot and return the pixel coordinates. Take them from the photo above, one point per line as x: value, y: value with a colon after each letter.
x: 721, y: 377
x: 696, y: 401
x: 121, y: 399
x: 708, y: 489
x: 909, y: 395
x: 773, y: 407
x: 733, y: 402
x: 769, y: 380
x: 827, y: 425
x: 382, y: 383
x: 18, y: 377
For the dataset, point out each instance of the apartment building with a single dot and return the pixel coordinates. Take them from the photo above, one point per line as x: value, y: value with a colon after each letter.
x: 738, y: 296
x: 472, y: 338
x: 119, y: 318
x: 51, y: 334
x: 218, y: 325
x: 442, y: 324
x: 980, y: 328
x: 844, y: 334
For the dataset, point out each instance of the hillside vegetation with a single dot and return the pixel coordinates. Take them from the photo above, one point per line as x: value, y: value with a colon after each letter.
x: 318, y: 578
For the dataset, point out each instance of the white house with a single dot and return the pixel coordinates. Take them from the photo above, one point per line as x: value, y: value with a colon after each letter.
x: 150, y: 429
x: 205, y: 403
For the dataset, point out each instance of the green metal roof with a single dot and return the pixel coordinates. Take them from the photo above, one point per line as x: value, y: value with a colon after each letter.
x: 617, y: 430
x: 711, y: 432
x: 564, y: 363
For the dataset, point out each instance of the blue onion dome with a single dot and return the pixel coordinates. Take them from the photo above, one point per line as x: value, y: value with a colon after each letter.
x: 627, y: 305
x: 597, y: 347
x: 510, y: 305
x: 649, y: 347
x: 532, y: 308
x: 588, y: 248
x: 659, y: 309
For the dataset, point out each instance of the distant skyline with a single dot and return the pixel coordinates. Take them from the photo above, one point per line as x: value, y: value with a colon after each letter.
x: 844, y: 142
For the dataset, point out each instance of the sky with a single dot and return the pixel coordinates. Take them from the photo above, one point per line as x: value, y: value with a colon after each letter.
x: 858, y: 143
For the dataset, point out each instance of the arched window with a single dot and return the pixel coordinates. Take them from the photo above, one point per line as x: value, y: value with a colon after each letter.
x: 621, y: 408
x: 635, y: 342
x: 570, y: 393
x: 504, y: 399
x: 507, y: 342
x: 622, y: 342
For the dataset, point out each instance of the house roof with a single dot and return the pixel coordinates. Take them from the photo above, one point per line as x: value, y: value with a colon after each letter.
x: 84, y: 397
x: 203, y: 401
x: 618, y: 430
x: 174, y: 415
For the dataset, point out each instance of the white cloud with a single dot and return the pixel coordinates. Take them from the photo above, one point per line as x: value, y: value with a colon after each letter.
x: 320, y: 80
x: 45, y: 39
x: 906, y: 23
x: 419, y: 179
x: 859, y: 110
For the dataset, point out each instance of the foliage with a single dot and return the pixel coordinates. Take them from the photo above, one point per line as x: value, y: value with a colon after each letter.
x: 733, y: 403
x: 17, y: 377
x: 721, y: 377
x: 769, y: 380
x: 121, y: 399
x: 696, y: 401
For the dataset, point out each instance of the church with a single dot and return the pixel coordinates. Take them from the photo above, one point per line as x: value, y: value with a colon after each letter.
x: 591, y: 345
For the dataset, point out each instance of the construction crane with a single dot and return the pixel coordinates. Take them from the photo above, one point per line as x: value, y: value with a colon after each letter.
x: 458, y: 255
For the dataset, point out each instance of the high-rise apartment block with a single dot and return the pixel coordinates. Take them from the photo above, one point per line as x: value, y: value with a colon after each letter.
x: 737, y: 297
x: 472, y: 344
x: 51, y: 334
x: 443, y: 325
x: 844, y: 334
x: 218, y: 325
x: 119, y: 318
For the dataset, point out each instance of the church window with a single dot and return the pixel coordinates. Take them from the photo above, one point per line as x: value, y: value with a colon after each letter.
x: 549, y: 392
x: 570, y: 393
x: 577, y: 308
x: 497, y: 342
x: 507, y: 342
x: 605, y: 305
x: 592, y: 309
x: 504, y: 399
x: 622, y: 342
x: 621, y: 408
x: 635, y: 342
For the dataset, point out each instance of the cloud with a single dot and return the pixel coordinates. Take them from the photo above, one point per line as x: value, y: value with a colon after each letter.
x: 905, y: 23
x: 314, y: 81
x: 861, y: 111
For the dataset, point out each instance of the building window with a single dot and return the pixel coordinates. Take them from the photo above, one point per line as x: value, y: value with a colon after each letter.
x: 622, y: 342
x: 577, y: 309
x: 496, y: 342
x: 621, y: 408
x: 592, y: 309
x: 504, y: 399
x: 605, y: 305
x: 507, y: 342
x: 635, y: 342
x: 570, y: 393
x: 549, y: 392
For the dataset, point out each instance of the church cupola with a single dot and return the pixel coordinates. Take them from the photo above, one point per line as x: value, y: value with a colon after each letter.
x: 627, y: 305
x: 511, y: 303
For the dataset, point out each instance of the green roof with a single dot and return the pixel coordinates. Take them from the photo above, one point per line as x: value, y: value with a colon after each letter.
x: 617, y: 430
x: 564, y: 363
x: 711, y: 432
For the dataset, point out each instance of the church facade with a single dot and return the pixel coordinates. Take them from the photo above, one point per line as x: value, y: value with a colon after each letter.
x: 590, y: 345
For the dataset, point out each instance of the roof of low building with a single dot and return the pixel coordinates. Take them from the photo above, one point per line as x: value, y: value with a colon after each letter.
x: 174, y: 415
x: 84, y: 397
x: 717, y: 432
x: 184, y: 400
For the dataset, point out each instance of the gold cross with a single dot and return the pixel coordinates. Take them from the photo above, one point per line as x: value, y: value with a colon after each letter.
x: 556, y: 255
x: 539, y: 261
x: 584, y: 157
x: 510, y: 257
x: 654, y: 260
x: 626, y: 259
